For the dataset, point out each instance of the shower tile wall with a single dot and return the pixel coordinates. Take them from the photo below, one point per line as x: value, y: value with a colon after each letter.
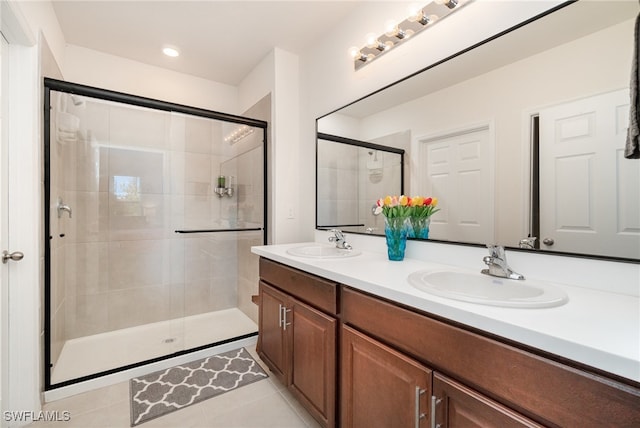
x: 349, y: 185
x: 373, y: 185
x: 132, y: 177
x: 248, y: 167
x: 338, y: 193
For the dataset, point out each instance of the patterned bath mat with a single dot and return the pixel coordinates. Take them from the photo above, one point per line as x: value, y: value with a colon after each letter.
x: 165, y: 391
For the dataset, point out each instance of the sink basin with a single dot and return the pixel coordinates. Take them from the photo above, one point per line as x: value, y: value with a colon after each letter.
x: 488, y: 290
x: 318, y: 251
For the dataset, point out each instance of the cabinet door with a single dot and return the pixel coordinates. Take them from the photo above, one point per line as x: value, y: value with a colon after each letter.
x: 380, y: 386
x: 459, y: 406
x: 273, y: 347
x: 313, y: 374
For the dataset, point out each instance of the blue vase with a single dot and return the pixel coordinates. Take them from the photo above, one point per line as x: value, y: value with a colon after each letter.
x: 419, y: 227
x: 396, y: 231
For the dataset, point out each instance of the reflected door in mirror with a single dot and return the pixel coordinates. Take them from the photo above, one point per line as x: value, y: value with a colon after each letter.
x: 589, y: 198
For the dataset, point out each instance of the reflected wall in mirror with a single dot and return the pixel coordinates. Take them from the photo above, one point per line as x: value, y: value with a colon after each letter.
x: 522, y: 135
x: 351, y: 176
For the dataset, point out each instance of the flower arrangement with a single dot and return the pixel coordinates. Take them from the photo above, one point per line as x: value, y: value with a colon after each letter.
x: 405, y: 217
x: 404, y: 206
x: 393, y: 206
x: 423, y: 207
x: 420, y: 218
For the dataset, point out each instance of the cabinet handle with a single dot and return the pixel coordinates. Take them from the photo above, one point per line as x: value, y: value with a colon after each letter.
x: 434, y: 402
x: 280, y: 308
x: 419, y: 415
x: 284, y: 318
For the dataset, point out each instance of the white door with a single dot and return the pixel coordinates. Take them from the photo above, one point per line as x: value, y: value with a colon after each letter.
x: 20, y: 208
x: 589, y: 193
x: 4, y: 227
x: 458, y: 171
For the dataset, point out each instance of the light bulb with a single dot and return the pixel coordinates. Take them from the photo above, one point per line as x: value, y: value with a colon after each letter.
x: 416, y: 15
x: 421, y: 18
x: 354, y: 51
x: 372, y: 41
x: 390, y: 28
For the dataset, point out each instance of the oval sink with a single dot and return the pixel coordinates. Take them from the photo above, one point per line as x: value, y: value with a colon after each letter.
x: 318, y: 251
x: 488, y: 290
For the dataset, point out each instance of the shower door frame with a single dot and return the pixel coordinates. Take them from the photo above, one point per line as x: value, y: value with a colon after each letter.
x: 138, y: 101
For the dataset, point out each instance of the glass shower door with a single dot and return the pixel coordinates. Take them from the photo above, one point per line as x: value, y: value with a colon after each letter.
x: 149, y: 248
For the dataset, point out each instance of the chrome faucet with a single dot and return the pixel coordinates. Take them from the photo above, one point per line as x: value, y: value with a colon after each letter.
x: 497, y: 262
x: 339, y: 239
x: 529, y: 243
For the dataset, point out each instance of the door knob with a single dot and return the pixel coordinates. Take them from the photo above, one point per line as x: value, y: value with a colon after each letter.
x: 548, y: 241
x: 16, y: 256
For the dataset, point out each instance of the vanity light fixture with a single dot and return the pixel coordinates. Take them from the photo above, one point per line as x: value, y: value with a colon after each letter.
x: 238, y: 134
x: 399, y: 32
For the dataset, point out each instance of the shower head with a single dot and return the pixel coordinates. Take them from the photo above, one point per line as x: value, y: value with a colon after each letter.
x: 77, y: 101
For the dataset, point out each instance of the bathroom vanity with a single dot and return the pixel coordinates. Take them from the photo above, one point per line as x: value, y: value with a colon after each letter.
x: 359, y: 347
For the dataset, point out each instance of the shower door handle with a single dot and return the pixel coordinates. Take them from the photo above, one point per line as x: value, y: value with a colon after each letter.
x: 16, y: 256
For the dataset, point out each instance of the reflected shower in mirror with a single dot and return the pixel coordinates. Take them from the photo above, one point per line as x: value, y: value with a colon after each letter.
x: 350, y: 175
x: 521, y: 135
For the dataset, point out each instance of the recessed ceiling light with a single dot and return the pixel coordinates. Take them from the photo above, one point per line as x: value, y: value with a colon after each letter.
x: 169, y: 51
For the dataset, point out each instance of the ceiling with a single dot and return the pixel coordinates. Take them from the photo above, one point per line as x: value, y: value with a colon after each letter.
x: 220, y: 41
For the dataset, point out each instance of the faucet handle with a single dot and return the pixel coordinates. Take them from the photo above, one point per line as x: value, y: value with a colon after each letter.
x: 338, y: 233
x: 528, y: 242
x: 496, y: 251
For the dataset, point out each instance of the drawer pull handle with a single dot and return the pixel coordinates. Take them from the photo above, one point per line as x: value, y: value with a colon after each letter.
x: 419, y: 415
x: 434, y: 402
x: 284, y: 318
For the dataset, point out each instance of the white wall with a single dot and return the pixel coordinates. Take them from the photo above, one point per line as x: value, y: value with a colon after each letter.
x: 89, y: 67
x: 278, y: 74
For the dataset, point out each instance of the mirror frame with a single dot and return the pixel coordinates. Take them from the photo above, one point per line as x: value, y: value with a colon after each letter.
x: 320, y: 135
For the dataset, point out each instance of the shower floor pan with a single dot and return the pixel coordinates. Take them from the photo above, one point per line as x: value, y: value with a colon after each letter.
x: 89, y: 355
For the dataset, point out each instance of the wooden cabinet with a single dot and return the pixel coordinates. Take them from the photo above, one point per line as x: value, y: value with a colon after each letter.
x: 313, y: 361
x: 496, y: 383
x: 274, y: 346
x: 298, y: 341
x: 380, y: 387
x: 383, y: 387
x: 457, y: 405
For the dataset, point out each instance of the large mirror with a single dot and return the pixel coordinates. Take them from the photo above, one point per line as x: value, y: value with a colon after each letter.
x: 523, y: 135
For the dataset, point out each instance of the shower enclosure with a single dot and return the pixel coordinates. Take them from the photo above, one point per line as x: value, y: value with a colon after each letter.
x: 152, y: 210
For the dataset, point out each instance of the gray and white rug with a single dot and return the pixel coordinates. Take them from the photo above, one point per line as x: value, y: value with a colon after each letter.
x: 165, y: 391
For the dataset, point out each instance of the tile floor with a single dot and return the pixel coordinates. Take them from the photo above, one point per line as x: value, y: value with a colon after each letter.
x: 261, y: 404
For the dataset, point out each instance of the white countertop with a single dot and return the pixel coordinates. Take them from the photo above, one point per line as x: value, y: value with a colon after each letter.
x: 597, y: 328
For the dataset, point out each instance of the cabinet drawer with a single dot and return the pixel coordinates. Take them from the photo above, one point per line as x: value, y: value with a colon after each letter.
x: 545, y: 390
x: 308, y: 288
